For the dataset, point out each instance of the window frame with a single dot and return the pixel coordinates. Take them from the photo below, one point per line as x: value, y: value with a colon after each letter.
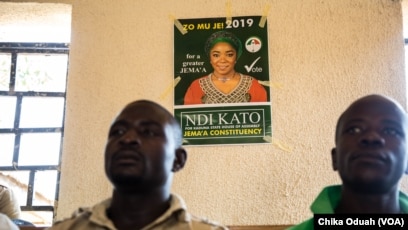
x: 33, y: 48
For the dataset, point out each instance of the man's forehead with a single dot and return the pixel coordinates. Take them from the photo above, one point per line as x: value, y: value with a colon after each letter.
x: 375, y: 107
x: 145, y: 110
x: 375, y: 104
x: 370, y: 106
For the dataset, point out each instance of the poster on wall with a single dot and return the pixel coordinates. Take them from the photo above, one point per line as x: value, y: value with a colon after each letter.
x: 221, y: 75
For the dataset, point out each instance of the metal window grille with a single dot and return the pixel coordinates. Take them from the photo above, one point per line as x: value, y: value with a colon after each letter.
x: 13, y: 50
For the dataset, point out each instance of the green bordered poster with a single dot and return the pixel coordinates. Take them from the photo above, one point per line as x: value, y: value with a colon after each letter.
x: 222, y: 96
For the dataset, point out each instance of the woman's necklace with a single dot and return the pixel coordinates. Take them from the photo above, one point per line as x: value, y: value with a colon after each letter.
x: 224, y: 79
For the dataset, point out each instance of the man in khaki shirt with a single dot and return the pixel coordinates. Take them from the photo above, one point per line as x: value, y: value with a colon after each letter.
x: 143, y: 151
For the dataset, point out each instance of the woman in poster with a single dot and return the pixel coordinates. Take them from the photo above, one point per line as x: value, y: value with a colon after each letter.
x: 224, y: 84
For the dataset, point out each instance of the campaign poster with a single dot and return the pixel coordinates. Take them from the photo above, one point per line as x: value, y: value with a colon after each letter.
x: 222, y: 84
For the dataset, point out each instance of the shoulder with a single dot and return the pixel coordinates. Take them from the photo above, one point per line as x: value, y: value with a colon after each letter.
x: 247, y: 77
x: 86, y: 218
x: 306, y: 225
x: 254, y: 82
x: 403, y: 199
x: 199, y: 223
x: 183, y: 216
x: 201, y: 79
x: 80, y: 216
x: 196, y: 82
x: 327, y: 200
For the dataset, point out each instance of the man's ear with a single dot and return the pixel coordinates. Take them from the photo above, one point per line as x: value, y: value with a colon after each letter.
x: 179, y: 160
x: 334, y: 158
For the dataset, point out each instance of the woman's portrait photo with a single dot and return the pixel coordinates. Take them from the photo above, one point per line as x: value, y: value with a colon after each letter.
x: 224, y: 84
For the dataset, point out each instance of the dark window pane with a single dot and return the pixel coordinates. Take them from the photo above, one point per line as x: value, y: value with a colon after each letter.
x: 41, y: 72
x: 39, y: 149
x: 42, y: 112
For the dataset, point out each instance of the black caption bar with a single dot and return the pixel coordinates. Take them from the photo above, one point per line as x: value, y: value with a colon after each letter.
x: 360, y: 221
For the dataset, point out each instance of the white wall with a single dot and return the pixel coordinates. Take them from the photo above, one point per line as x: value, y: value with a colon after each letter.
x: 323, y: 55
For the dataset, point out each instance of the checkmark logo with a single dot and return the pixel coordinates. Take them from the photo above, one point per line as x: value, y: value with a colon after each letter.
x: 248, y: 68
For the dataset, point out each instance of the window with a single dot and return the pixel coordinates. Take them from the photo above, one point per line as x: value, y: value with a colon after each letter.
x: 33, y: 77
x: 32, y: 92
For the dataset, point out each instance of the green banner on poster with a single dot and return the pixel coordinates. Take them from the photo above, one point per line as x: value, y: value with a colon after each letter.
x: 221, y: 75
